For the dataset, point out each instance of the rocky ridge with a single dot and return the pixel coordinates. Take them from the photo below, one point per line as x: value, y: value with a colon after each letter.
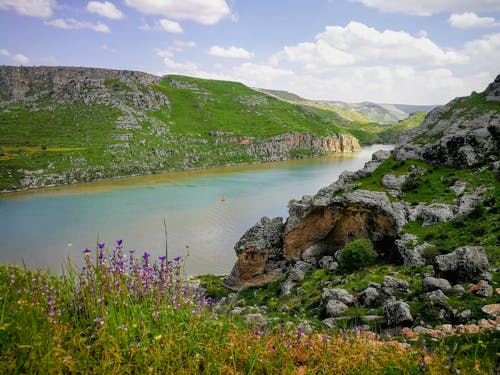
x: 319, y: 226
x: 130, y: 115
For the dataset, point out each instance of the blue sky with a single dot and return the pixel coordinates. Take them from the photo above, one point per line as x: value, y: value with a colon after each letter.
x: 387, y: 51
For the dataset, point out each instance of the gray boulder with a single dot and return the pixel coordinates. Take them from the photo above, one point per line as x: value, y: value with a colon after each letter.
x: 393, y: 182
x: 463, y: 263
x: 410, y: 251
x: 392, y: 285
x: 335, y: 308
x: 326, y: 261
x: 432, y: 283
x: 485, y: 289
x: 458, y: 187
x: 397, y: 312
x: 436, y: 295
x: 338, y: 294
x: 432, y: 214
x: 369, y: 297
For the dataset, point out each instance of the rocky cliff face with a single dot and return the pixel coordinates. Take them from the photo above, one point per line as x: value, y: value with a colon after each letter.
x: 281, y: 146
x: 92, y: 85
x: 463, y: 133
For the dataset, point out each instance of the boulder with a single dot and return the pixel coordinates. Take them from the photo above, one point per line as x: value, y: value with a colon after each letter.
x: 436, y: 295
x: 393, y: 182
x: 259, y: 254
x: 463, y: 263
x: 397, y: 312
x: 432, y: 283
x: 392, y: 285
x: 410, y: 252
x: 338, y: 294
x: 493, y: 309
x: 482, y: 289
x: 369, y: 297
x: 335, y: 308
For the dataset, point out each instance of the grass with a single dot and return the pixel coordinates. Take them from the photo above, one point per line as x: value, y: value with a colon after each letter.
x: 75, y: 141
x: 121, y: 313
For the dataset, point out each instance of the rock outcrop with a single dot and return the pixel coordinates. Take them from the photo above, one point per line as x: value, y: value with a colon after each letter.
x: 462, y: 264
x: 280, y: 147
x: 462, y: 134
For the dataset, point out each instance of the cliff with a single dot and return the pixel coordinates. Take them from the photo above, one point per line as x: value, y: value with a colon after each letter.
x: 63, y: 125
x: 430, y: 211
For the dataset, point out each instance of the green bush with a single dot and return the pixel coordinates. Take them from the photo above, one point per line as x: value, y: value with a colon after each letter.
x: 356, y: 255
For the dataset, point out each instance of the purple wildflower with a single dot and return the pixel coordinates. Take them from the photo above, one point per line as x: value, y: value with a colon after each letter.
x: 176, y: 259
x: 101, y: 246
x: 86, y: 251
x: 146, y: 255
x: 119, y: 242
x: 162, y: 258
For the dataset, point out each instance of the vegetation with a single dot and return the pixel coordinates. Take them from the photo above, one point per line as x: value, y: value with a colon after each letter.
x: 46, y: 142
x: 123, y: 314
x: 357, y: 254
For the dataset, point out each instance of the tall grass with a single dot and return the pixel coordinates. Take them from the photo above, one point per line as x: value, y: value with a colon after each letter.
x: 121, y: 313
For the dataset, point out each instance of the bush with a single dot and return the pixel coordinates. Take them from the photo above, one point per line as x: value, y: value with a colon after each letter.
x: 356, y: 255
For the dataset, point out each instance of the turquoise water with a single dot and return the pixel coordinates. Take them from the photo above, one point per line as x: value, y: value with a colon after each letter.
x: 206, y: 212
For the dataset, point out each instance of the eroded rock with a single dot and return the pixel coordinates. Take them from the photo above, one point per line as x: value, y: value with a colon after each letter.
x: 463, y: 263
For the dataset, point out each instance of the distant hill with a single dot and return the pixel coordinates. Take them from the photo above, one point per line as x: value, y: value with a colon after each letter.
x: 361, y: 112
x: 61, y: 125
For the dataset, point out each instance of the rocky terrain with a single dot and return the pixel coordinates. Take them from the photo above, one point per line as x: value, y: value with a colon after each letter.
x: 62, y: 125
x: 410, y: 240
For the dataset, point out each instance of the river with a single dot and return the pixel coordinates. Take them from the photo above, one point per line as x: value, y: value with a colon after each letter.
x: 206, y: 212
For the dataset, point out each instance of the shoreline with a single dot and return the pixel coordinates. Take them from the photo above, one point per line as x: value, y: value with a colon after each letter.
x: 111, y: 183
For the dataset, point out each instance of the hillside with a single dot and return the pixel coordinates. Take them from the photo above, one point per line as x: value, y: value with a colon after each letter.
x: 365, y: 112
x: 62, y: 125
x: 411, y: 240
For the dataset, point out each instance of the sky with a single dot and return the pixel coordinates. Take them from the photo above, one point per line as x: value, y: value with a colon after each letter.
x: 384, y: 51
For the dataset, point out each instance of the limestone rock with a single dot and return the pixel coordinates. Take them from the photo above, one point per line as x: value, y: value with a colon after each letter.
x: 436, y: 295
x: 393, y: 182
x: 335, y: 308
x: 369, y: 297
x: 447, y: 137
x: 338, y: 294
x: 259, y: 253
x: 392, y: 285
x: 463, y: 263
x: 458, y: 187
x: 381, y: 155
x: 432, y: 214
x: 482, y: 289
x: 410, y: 252
x: 397, y: 312
x: 432, y: 283
x: 493, y: 309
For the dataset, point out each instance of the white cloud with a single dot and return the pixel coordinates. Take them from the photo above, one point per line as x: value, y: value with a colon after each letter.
x: 164, y: 53
x: 206, y: 12
x: 181, y: 44
x: 484, y: 53
x: 359, y: 45
x: 71, y: 23
x: 105, y: 9
x: 430, y: 7
x: 170, y: 26
x: 18, y: 57
x: 470, y: 19
x: 105, y: 47
x: 33, y: 8
x: 230, y: 52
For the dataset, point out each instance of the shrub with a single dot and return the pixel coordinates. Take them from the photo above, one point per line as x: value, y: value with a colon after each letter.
x: 356, y: 255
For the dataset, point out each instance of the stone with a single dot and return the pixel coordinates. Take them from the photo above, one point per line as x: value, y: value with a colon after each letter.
x: 410, y: 251
x: 432, y: 214
x: 335, y: 308
x: 381, y: 155
x: 453, y: 139
x: 392, y: 285
x: 326, y: 261
x: 459, y: 288
x: 259, y: 252
x: 329, y: 324
x: 463, y: 263
x: 296, y: 274
x: 338, y: 294
x: 369, y: 297
x: 487, y: 324
x: 482, y: 289
x: 432, y: 283
x: 397, y: 312
x: 393, y: 182
x: 436, y: 295
x: 492, y: 309
x: 458, y: 187
x: 467, y: 328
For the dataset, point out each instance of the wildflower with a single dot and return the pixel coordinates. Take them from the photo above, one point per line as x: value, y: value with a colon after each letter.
x: 162, y: 258
x: 146, y: 255
x: 154, y: 314
x: 101, y: 246
x: 87, y: 252
x: 158, y: 337
x: 177, y: 259
x: 119, y: 242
